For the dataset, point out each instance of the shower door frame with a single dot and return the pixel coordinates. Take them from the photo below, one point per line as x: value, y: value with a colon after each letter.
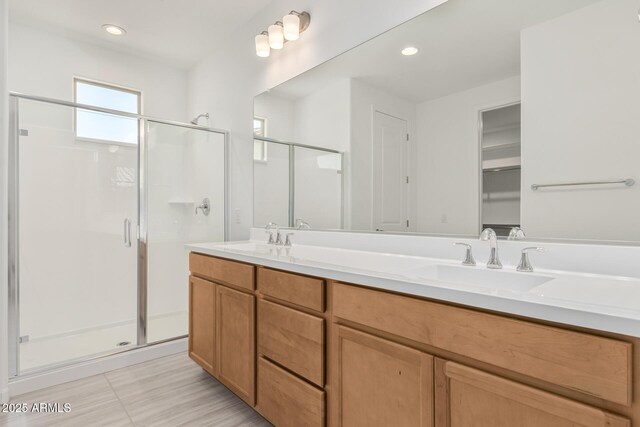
x: 141, y: 234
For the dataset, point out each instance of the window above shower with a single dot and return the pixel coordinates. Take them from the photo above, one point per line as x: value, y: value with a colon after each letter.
x: 95, y: 126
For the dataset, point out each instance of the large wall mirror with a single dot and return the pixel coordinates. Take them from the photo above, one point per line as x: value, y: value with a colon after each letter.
x: 510, y: 114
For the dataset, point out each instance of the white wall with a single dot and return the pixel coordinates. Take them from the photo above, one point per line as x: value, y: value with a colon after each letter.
x: 271, y: 187
x: 4, y: 132
x: 580, y: 122
x: 279, y: 115
x: 447, y: 157
x: 321, y: 119
x: 226, y: 82
x: 44, y: 64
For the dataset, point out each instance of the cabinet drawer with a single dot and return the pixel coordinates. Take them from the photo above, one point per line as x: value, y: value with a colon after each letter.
x: 589, y: 364
x: 467, y: 396
x: 300, y: 290
x: 287, y: 401
x: 293, y: 339
x: 223, y: 271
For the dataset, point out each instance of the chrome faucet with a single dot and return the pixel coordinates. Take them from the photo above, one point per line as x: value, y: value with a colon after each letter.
x: 278, y: 239
x: 489, y: 235
x: 205, y: 206
x: 468, y: 258
x: 302, y: 224
x: 516, y: 233
x: 287, y: 242
x: 525, y: 265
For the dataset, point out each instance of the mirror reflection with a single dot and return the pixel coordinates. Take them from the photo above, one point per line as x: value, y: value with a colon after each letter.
x: 498, y: 114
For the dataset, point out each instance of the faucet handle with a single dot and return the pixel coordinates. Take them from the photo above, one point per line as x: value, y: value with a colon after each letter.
x: 516, y: 233
x: 287, y: 241
x: 279, y: 239
x: 525, y: 265
x: 468, y: 259
x: 270, y: 233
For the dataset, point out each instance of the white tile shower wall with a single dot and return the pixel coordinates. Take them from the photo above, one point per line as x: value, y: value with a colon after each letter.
x: 616, y: 260
x: 59, y: 293
x: 226, y: 82
x: 75, y: 272
x: 185, y: 166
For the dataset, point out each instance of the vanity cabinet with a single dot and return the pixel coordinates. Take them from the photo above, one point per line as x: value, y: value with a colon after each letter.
x: 381, y: 383
x: 306, y: 351
x: 466, y: 396
x: 222, y: 322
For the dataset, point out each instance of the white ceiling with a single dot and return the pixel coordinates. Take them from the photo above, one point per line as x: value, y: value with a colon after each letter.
x: 173, y: 31
x: 462, y: 44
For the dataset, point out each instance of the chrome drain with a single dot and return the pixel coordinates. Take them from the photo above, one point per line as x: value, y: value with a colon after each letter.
x: 123, y: 343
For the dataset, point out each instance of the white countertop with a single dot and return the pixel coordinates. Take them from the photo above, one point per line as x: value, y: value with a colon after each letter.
x: 596, y: 301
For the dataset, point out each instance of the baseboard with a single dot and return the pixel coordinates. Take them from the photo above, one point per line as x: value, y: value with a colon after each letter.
x: 94, y: 367
x: 4, y: 395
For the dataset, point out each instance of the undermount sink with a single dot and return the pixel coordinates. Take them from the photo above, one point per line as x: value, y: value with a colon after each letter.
x: 481, y: 277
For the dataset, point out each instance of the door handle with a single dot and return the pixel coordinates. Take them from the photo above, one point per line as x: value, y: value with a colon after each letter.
x: 127, y: 232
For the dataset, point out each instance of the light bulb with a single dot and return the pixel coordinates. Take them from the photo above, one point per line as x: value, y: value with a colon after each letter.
x: 262, y: 45
x: 291, y: 25
x: 276, y: 36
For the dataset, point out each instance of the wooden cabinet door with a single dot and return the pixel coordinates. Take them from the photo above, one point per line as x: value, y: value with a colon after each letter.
x: 202, y: 319
x: 467, y: 396
x: 236, y: 342
x: 380, y: 383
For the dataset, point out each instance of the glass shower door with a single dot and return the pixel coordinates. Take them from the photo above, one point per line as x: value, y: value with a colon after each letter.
x: 77, y: 267
x: 185, y: 199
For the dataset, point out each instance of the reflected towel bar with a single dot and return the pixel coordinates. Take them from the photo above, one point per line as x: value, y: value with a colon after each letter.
x: 628, y: 182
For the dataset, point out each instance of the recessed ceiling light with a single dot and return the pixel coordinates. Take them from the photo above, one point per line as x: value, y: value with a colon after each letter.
x: 114, y: 30
x: 408, y: 51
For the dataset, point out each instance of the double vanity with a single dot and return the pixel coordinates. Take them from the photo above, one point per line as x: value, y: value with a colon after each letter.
x: 312, y: 335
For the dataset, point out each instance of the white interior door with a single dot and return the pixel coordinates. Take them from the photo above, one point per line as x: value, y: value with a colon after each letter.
x: 390, y: 173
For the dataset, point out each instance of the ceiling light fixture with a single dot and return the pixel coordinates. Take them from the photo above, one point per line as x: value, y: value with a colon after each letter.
x: 114, y: 30
x: 408, y: 51
x: 280, y: 32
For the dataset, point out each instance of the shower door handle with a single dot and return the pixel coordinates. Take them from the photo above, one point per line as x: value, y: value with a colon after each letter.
x: 127, y: 232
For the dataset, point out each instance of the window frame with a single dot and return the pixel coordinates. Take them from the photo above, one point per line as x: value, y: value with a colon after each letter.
x: 106, y: 85
x: 263, y: 158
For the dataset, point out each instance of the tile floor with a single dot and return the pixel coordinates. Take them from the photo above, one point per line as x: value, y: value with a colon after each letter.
x: 171, y: 391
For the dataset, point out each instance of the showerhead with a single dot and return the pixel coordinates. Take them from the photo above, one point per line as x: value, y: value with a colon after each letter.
x: 195, y: 121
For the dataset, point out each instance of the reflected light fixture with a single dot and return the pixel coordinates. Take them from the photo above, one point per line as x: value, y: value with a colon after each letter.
x: 114, y: 30
x: 408, y: 51
x: 281, y: 32
x: 262, y: 45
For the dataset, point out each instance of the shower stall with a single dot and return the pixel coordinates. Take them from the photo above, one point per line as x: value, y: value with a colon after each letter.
x: 97, y: 228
